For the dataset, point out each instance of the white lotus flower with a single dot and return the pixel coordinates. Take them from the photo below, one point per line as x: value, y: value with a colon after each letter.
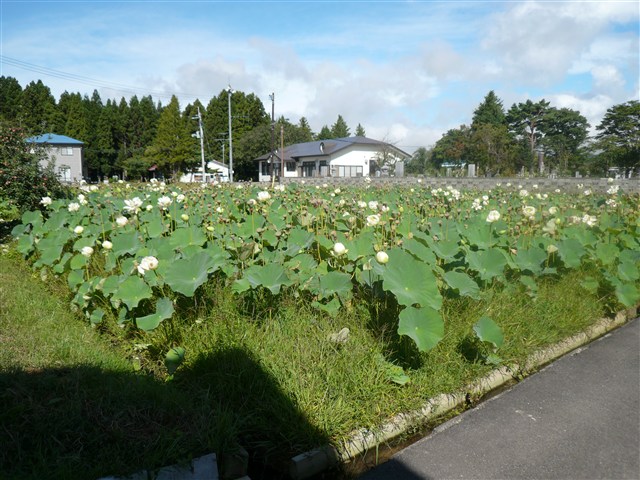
x: 107, y: 245
x: 78, y: 230
x: 133, y: 205
x: 146, y: 264
x: 529, y: 211
x: 180, y: 198
x: 493, y: 216
x: 86, y: 251
x: 382, y: 257
x: 164, y: 202
x: 122, y: 221
x: 553, y: 210
x: 373, y: 205
x: 263, y: 196
x: 46, y: 201
x: 339, y: 249
x: 373, y: 220
x: 73, y: 207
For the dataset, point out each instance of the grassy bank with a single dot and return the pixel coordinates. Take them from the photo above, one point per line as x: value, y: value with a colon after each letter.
x: 265, y: 375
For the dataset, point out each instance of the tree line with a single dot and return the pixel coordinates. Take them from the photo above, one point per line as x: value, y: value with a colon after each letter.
x: 127, y: 137
x: 537, y: 138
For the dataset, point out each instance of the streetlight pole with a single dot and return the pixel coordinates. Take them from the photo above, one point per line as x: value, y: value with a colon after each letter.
x: 230, y: 91
x: 273, y: 126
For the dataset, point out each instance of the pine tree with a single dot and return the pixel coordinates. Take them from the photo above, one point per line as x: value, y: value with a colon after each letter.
x: 173, y: 146
x: 489, y: 112
x: 360, y: 131
x: 340, y: 128
x: 10, y: 99
x: 38, y: 108
x: 325, y: 133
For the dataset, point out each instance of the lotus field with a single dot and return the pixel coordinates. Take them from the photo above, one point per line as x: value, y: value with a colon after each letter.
x: 139, y: 254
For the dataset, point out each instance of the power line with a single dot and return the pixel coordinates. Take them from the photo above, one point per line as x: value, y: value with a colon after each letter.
x: 92, y: 82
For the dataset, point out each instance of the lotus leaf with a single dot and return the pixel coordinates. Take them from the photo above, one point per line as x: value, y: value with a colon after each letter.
x: 132, y: 291
x: 185, y: 275
x: 271, y: 277
x: 423, y: 325
x: 164, y: 310
x: 463, y: 283
x: 411, y: 281
x: 488, y: 331
x: 488, y: 263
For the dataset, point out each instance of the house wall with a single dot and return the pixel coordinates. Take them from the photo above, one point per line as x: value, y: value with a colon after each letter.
x: 67, y: 161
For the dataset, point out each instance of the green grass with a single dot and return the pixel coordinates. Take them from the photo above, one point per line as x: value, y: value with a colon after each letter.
x: 259, y: 373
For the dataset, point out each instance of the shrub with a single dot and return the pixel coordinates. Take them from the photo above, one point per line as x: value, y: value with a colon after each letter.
x: 23, y: 180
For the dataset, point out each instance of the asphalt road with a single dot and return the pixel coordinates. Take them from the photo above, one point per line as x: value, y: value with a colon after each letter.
x: 579, y: 418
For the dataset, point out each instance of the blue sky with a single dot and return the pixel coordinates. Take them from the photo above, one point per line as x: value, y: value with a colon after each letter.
x: 406, y: 70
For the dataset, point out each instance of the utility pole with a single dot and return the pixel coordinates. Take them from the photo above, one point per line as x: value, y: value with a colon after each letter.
x: 282, y: 153
x: 230, y: 91
x: 201, y: 144
x: 273, y: 126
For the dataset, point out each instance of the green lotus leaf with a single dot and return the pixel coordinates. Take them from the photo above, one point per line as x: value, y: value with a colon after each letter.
x: 271, y: 276
x: 183, y: 237
x: 240, y: 285
x: 590, y: 284
x: 96, y: 316
x: 185, y: 275
x: 479, y: 234
x: 606, y: 253
x: 628, y: 272
x: 336, y: 283
x: 132, y: 291
x: 75, y: 278
x: 530, y: 284
x: 174, y: 359
x: 445, y: 249
x: 298, y: 239
x: 419, y: 250
x: 332, y: 307
x: 571, y: 252
x: 530, y: 260
x: 78, y: 262
x: 488, y: 331
x: 463, y: 283
x: 154, y: 226
x: 488, y: 263
x: 423, y: 325
x: 628, y: 294
x: 33, y: 217
x: 164, y: 310
x: 411, y: 281
x: 125, y: 243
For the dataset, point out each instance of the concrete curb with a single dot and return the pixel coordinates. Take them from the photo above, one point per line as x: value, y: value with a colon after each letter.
x: 359, y: 442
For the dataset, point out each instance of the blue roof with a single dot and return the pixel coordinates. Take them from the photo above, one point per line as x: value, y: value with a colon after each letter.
x: 53, y: 139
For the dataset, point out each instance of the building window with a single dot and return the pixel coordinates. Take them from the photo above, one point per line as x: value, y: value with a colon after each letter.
x: 66, y: 151
x: 347, y: 170
x: 290, y: 166
x: 64, y: 173
x: 308, y: 169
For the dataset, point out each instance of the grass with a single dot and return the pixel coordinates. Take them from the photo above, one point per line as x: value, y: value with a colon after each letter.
x: 262, y: 374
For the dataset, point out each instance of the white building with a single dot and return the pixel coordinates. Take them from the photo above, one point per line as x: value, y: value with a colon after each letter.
x: 215, y: 172
x: 338, y: 157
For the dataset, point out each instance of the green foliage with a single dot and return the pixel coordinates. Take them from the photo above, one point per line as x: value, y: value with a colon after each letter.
x: 23, y: 180
x: 340, y: 128
x: 619, y: 136
x: 489, y: 112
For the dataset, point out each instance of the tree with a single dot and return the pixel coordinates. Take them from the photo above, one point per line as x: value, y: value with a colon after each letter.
x: 420, y: 162
x: 340, y: 128
x: 491, y: 149
x: 489, y: 112
x: 619, y: 136
x: 525, y: 122
x: 306, y: 134
x: 10, y: 99
x: 173, y: 148
x: 565, y: 130
x: 38, y: 108
x: 360, y: 131
x: 325, y: 133
x: 453, y: 147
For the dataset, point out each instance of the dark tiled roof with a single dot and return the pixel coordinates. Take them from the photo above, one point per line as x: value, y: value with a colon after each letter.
x: 325, y: 147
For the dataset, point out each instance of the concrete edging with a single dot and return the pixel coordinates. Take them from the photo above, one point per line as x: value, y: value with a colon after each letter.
x: 315, y: 461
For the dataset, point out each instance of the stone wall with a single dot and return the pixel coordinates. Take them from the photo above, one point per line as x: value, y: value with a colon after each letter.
x: 570, y: 185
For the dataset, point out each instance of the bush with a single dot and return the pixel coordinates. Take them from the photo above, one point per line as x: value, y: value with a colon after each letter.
x: 23, y: 180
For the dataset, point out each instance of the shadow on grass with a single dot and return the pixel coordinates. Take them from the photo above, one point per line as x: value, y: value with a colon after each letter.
x: 84, y: 422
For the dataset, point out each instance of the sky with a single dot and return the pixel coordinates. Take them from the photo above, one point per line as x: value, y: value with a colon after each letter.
x: 407, y: 71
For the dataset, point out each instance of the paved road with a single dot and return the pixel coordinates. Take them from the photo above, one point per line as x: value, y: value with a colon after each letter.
x: 579, y: 418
